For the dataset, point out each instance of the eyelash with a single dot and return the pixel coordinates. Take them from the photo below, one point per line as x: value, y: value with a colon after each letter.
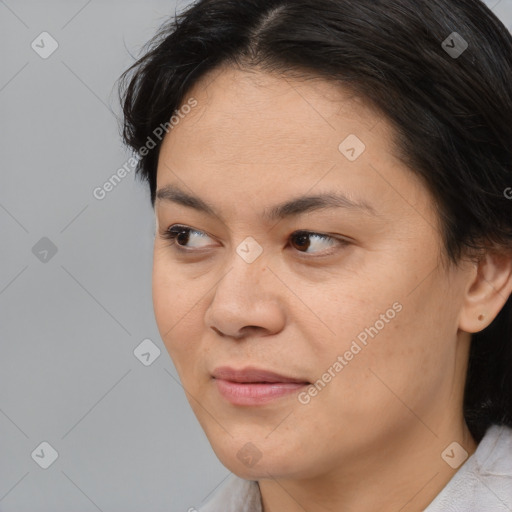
x: 174, y: 231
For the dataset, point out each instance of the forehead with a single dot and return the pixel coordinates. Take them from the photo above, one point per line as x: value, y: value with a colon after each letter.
x: 229, y: 96
x: 253, y: 134
x: 249, y: 117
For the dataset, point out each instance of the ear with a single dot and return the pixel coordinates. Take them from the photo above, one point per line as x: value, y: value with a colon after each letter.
x: 487, y: 291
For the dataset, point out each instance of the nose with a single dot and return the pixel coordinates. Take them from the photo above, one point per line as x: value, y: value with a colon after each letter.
x: 247, y: 301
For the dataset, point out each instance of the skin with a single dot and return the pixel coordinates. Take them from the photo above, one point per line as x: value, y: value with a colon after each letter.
x: 372, y: 438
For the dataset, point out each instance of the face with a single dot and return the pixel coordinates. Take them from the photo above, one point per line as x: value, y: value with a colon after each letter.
x: 300, y: 294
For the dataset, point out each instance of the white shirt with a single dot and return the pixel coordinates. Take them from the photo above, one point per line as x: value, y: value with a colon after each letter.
x: 482, y: 484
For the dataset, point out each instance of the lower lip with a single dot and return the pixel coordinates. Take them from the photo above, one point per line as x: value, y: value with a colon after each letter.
x: 239, y: 393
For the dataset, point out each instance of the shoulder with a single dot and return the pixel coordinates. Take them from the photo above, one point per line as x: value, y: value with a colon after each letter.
x: 235, y: 495
x: 484, y: 481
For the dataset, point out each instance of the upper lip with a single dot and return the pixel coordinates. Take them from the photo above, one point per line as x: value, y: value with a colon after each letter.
x: 252, y: 375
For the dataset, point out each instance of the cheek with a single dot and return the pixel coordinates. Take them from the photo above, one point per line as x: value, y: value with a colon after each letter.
x: 164, y: 288
x: 396, y: 347
x: 393, y: 374
x: 176, y: 305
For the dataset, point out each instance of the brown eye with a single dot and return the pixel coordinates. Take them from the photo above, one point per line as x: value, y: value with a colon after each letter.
x: 302, y: 241
x: 317, y: 242
x: 186, y: 237
x: 181, y: 237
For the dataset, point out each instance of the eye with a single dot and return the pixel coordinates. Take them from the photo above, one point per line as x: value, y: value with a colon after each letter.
x: 309, y: 242
x: 306, y: 242
x: 183, y: 236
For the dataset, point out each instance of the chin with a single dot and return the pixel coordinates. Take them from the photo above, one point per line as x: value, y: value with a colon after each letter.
x: 253, y: 462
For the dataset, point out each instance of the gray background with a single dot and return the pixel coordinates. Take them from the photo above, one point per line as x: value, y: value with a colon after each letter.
x: 69, y: 322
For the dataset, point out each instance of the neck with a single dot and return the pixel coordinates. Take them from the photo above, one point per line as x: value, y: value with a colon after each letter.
x: 405, y: 475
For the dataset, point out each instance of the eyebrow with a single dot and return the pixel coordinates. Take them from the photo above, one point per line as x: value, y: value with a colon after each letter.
x: 294, y: 207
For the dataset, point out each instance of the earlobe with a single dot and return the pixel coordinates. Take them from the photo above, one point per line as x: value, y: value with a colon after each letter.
x: 487, y: 292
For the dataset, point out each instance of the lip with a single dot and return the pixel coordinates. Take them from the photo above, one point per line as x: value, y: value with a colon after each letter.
x: 254, y: 386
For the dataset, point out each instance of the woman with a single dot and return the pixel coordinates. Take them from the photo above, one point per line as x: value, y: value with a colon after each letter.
x: 333, y: 256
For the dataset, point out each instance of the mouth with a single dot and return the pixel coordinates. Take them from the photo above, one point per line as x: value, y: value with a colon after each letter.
x: 254, y: 386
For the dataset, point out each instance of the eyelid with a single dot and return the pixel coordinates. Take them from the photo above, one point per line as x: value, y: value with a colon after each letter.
x: 167, y: 234
x: 340, y: 242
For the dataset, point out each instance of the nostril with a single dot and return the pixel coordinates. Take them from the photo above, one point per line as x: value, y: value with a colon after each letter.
x: 241, y: 333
